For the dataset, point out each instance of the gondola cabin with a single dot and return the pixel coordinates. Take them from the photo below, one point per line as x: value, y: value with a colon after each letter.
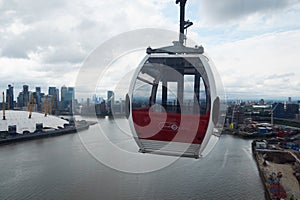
x: 173, y: 105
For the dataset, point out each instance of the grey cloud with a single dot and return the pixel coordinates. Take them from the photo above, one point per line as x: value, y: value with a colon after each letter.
x: 227, y: 10
x: 64, y: 54
x: 72, y: 28
x: 280, y: 76
x: 11, y: 51
x: 32, y: 10
x: 86, y: 24
x: 46, y: 29
x: 21, y: 47
x: 40, y: 39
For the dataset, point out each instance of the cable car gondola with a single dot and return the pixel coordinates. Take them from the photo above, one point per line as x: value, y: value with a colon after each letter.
x: 173, y: 103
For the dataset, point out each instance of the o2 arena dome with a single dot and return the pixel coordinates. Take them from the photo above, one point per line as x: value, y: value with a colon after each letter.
x: 24, y: 124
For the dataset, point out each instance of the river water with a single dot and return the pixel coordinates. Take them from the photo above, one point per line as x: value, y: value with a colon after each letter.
x: 69, y: 167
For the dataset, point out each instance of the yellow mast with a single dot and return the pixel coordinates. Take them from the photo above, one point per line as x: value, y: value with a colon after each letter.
x: 30, y: 106
x: 3, y: 106
x: 52, y: 104
x: 46, y: 106
x: 53, y: 100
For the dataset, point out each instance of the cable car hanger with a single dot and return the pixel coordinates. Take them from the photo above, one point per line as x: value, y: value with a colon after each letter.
x: 179, y: 45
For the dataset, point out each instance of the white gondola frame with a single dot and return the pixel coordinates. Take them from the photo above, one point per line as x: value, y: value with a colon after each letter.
x: 213, y: 130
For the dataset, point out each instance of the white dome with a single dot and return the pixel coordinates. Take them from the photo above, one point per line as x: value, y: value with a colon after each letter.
x: 23, y: 123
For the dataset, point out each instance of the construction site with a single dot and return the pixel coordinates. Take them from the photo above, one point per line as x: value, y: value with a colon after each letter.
x: 278, y: 161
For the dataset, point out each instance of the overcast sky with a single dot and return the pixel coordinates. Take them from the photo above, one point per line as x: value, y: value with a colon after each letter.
x: 255, y: 44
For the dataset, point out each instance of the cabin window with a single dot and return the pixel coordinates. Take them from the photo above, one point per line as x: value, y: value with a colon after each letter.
x: 178, y: 88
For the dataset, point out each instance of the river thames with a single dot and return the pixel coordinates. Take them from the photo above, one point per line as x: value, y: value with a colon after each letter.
x: 75, y: 167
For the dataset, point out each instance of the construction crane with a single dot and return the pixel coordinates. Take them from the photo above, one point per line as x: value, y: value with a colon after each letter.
x: 30, y: 106
x: 3, y: 106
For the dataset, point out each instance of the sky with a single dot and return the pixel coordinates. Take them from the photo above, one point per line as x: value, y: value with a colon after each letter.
x: 255, y: 44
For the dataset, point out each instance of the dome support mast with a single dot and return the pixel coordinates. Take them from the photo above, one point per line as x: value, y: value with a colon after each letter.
x: 3, y: 106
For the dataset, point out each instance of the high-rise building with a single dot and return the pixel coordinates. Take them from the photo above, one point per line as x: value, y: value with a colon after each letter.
x: 10, y: 97
x: 88, y: 102
x: 288, y: 110
x: 71, y: 94
x: 68, y: 94
x: 63, y: 92
x: 57, y: 95
x: 262, y: 102
x: 292, y: 109
x: 38, y: 89
x: 100, y: 108
x: 67, y: 98
x: 52, y: 91
x: 110, y: 99
x: 25, y: 88
x: 54, y: 95
x: 25, y: 95
x: 278, y: 110
x: 37, y: 98
x: 20, y: 99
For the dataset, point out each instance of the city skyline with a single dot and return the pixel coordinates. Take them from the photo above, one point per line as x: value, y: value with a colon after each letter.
x: 103, y: 95
x: 55, y: 101
x: 44, y: 89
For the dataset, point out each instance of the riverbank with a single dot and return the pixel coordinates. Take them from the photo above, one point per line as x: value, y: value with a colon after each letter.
x: 279, y: 169
x: 70, y: 129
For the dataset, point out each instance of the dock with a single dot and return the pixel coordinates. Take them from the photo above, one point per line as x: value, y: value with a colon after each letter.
x: 83, y: 125
x: 279, y: 169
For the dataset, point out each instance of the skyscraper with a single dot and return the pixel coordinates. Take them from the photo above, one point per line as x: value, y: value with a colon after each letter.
x: 25, y: 95
x: 71, y: 93
x: 57, y: 95
x: 110, y: 100
x: 38, y: 89
x: 278, y: 109
x: 37, y: 98
x: 20, y: 99
x: 67, y: 98
x: 10, y: 97
x: 63, y: 92
x: 292, y: 109
x: 54, y: 95
x: 52, y: 91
